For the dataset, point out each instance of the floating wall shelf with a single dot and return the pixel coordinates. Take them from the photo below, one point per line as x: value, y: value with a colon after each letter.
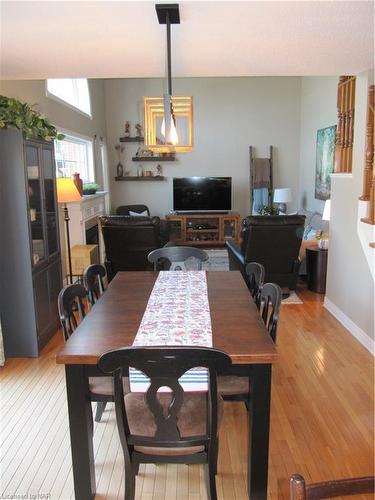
x: 132, y: 139
x: 140, y: 178
x: 154, y: 158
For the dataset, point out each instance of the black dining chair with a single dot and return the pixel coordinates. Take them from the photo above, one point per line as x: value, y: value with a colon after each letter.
x: 299, y: 490
x: 176, y: 427
x: 176, y: 257
x: 255, y: 273
x: 238, y: 388
x: 71, y: 306
x: 93, y: 280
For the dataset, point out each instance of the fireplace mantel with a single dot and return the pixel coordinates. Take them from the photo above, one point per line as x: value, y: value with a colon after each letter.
x: 83, y: 215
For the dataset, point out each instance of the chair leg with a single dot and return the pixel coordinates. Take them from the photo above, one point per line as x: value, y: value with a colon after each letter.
x: 129, y: 483
x: 215, y: 452
x: 100, y: 407
x: 136, y: 468
x: 211, y: 482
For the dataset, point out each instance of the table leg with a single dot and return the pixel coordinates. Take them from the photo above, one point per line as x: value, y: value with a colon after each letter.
x: 259, y: 426
x: 81, y: 431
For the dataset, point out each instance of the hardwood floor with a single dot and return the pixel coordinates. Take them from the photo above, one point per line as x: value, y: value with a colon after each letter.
x: 322, y: 421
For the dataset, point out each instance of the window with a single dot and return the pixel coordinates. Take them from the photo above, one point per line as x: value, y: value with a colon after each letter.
x: 75, y: 155
x: 74, y: 91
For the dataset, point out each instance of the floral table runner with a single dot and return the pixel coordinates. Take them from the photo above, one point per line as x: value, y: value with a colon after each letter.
x: 177, y: 314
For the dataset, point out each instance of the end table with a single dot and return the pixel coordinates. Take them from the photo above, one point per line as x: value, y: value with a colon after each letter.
x: 316, y: 262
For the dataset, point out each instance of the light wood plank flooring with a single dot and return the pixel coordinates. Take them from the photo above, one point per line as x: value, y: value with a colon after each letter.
x: 321, y: 423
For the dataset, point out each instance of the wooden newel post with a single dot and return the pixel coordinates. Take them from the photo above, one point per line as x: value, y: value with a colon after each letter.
x: 369, y: 155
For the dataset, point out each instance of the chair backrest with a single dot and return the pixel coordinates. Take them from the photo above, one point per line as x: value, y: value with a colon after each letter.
x: 128, y: 240
x: 330, y: 489
x: 93, y: 280
x: 177, y: 257
x: 273, y: 241
x: 255, y: 275
x: 69, y: 304
x: 164, y: 366
x: 270, y: 298
x: 126, y: 209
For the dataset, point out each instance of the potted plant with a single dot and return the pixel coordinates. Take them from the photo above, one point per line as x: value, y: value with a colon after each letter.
x: 90, y: 188
x: 20, y: 115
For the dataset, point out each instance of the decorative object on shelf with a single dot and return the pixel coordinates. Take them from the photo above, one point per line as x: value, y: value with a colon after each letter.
x: 119, y: 167
x: 20, y: 115
x: 127, y: 129
x: 138, y: 130
x: 144, y: 153
x: 281, y: 197
x: 325, y: 161
x: 140, y: 171
x: 168, y: 119
x: 268, y: 210
x: 66, y: 193
x: 149, y: 173
x: 90, y: 188
x: 159, y: 170
x: 78, y: 183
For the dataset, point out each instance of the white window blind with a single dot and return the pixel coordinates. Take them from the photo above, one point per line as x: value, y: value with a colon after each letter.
x: 74, y: 155
x: 73, y: 91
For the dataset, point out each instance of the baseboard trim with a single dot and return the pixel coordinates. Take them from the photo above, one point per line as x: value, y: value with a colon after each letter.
x: 352, y: 328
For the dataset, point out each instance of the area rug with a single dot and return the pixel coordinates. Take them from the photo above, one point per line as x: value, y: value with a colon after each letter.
x: 218, y: 261
x: 292, y: 299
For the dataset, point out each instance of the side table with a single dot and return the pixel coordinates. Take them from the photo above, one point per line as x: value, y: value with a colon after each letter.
x: 316, y: 262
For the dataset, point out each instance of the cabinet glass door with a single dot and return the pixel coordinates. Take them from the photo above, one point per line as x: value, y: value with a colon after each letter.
x: 50, y: 200
x: 34, y: 188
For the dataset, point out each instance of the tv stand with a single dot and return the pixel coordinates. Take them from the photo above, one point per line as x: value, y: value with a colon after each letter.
x: 204, y: 228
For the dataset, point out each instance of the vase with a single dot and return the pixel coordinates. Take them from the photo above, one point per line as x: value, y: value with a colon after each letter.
x: 78, y: 182
x: 120, y: 169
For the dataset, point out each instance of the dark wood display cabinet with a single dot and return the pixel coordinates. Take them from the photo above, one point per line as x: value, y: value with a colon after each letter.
x: 30, y: 259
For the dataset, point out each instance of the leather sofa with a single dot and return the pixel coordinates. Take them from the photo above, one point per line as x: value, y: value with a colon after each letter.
x: 129, y: 239
x: 273, y: 241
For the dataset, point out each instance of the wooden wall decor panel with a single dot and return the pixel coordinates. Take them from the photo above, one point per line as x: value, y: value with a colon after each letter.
x: 345, y: 124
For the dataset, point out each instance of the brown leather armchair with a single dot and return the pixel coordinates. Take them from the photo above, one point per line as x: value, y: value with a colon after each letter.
x: 273, y: 241
x: 128, y: 240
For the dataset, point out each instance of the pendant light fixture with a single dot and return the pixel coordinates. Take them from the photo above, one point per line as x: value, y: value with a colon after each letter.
x: 168, y: 119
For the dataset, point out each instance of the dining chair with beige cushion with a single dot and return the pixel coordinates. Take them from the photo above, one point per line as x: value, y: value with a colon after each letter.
x: 238, y: 388
x: 167, y: 427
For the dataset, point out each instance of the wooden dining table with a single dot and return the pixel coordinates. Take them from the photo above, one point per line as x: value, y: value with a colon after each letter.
x: 113, y: 322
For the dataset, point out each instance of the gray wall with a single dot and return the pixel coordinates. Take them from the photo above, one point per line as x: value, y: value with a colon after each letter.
x: 318, y: 110
x: 62, y: 116
x: 350, y: 286
x: 230, y: 114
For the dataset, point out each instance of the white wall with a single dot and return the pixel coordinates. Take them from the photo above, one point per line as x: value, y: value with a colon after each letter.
x: 230, y: 114
x: 350, y: 287
x: 318, y: 110
x: 62, y: 116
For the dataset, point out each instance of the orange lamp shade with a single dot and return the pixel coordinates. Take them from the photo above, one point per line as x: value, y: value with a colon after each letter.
x: 66, y: 190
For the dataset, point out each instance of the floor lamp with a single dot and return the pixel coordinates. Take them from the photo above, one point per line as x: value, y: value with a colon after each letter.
x: 66, y: 193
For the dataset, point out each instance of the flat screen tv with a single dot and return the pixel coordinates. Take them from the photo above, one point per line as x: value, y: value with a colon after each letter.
x: 207, y: 194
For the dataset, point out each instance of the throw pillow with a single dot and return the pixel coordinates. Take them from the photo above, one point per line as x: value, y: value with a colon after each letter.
x: 136, y: 214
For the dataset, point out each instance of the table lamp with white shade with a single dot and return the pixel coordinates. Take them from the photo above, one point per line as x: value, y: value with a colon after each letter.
x: 281, y: 197
x: 66, y: 193
x: 323, y: 242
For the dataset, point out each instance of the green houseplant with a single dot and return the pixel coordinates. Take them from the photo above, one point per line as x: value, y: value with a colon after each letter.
x: 20, y: 115
x: 90, y: 188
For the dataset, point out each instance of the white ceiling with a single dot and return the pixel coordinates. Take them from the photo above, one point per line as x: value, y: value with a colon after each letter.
x: 106, y: 39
